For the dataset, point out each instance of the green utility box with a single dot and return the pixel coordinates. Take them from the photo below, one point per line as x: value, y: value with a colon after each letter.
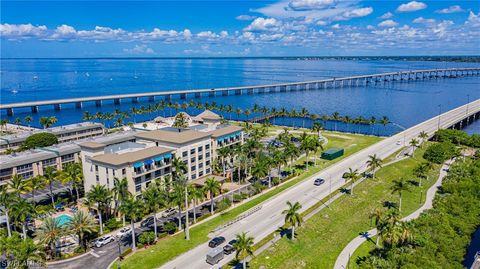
x: 332, y: 153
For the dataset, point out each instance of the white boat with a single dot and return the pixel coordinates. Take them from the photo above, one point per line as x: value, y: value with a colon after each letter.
x: 87, y: 74
x: 14, y: 91
x: 35, y: 77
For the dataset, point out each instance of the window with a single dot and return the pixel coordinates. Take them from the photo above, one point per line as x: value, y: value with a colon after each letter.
x: 124, y: 171
x: 148, y: 177
x: 200, y: 165
x: 200, y: 173
x: 158, y: 163
x: 193, y: 168
x: 207, y: 171
x: 96, y: 168
x: 200, y: 157
x: 97, y: 178
x: 108, y: 181
x: 137, y: 170
x: 138, y: 188
x: 184, y: 154
x: 207, y: 146
x: 158, y: 173
x: 148, y: 167
x: 192, y: 151
x: 113, y: 171
x: 207, y: 162
x: 68, y: 157
x: 207, y: 155
x: 24, y: 168
x: 49, y: 162
x: 192, y: 159
x: 167, y: 170
x: 27, y: 175
x: 138, y: 180
x: 200, y: 149
x: 194, y: 176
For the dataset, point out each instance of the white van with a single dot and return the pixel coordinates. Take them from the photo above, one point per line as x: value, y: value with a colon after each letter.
x: 215, y: 255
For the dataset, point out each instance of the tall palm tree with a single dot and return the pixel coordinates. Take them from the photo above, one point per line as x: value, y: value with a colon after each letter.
x: 292, y: 216
x: 50, y: 176
x: 384, y: 121
x: 373, y: 163
x: 6, y: 200
x: 82, y: 224
x: 352, y: 175
x: 213, y: 187
x: 177, y: 199
x: 317, y: 127
x: 18, y: 185
x: 244, y: 247
x: 132, y: 208
x: 34, y: 184
x: 414, y: 144
x: 377, y: 216
x: 399, y: 186
x: 306, y: 145
x: 21, y: 210
x: 152, y: 203
x: 223, y: 153
x: 178, y: 168
x: 28, y: 252
x: 50, y: 232
x: 27, y: 120
x: 336, y: 118
x: 72, y: 174
x: 120, y: 193
x: 196, y: 194
x: 101, y: 197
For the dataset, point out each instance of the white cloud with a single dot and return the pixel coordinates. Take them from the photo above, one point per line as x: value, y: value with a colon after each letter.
x: 473, y: 19
x: 388, y: 23
x: 262, y: 24
x: 64, y: 32
x: 422, y: 20
x: 22, y: 31
x: 356, y: 13
x: 336, y: 26
x: 450, y: 9
x: 411, y: 6
x: 245, y: 17
x: 139, y: 49
x: 321, y: 23
x: 302, y: 5
x: 387, y: 15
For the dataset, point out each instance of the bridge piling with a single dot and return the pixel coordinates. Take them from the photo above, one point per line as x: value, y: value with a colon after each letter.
x: 34, y: 110
x: 199, y: 95
x: 183, y: 96
x: 116, y: 101
x: 56, y: 107
x: 98, y: 103
x: 78, y: 105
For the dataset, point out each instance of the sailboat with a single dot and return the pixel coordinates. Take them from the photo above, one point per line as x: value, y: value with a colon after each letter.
x: 135, y: 75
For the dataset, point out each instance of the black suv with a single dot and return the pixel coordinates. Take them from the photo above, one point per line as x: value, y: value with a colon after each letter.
x: 217, y: 241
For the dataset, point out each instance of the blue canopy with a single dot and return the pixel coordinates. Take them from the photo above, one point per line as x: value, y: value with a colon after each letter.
x: 167, y: 155
x: 138, y: 164
x: 158, y: 158
x: 148, y: 162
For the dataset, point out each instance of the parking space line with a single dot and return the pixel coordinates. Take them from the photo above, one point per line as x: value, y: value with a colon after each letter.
x: 95, y: 254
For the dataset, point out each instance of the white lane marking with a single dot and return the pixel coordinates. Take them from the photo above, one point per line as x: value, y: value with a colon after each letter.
x: 95, y: 254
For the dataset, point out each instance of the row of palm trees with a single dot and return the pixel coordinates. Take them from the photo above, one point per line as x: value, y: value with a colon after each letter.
x: 264, y: 112
x: 46, y: 122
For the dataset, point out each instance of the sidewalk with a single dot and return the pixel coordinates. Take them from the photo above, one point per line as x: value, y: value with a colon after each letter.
x: 344, y: 257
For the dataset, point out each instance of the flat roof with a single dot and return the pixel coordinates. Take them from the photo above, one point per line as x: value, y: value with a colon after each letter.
x: 175, y: 137
x: 37, y: 155
x: 130, y: 157
x: 225, y: 131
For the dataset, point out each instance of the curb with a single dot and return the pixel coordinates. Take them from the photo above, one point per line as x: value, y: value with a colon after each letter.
x: 70, y: 259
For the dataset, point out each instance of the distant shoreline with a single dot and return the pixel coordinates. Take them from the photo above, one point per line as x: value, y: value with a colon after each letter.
x: 471, y: 59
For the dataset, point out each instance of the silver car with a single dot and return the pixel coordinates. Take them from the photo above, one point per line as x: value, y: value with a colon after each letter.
x: 102, y: 241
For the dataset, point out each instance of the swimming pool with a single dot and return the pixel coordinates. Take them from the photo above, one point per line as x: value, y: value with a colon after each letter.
x: 63, y: 219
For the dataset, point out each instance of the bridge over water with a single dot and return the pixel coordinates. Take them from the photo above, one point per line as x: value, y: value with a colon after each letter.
x: 351, y: 81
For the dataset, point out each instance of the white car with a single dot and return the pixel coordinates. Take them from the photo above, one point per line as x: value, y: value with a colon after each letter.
x: 124, y: 231
x: 399, y: 142
x: 102, y: 241
x: 169, y: 212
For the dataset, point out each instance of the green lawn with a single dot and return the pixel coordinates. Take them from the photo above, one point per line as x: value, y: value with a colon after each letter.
x: 322, y: 238
x: 170, y: 247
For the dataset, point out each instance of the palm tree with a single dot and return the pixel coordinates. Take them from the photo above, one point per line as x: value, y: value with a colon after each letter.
x: 384, y: 121
x: 50, y: 177
x: 120, y: 193
x: 82, y: 224
x: 292, y: 216
x: 6, y: 200
x: 377, y: 215
x: 18, y: 185
x: 27, y: 252
x: 72, y: 174
x: 18, y: 121
x: 213, y: 187
x: 178, y: 168
x: 223, y: 153
x: 244, y: 247
x: 100, y: 196
x: 336, y: 117
x: 151, y: 201
x: 306, y: 145
x: 414, y: 144
x: 373, y: 163
x: 317, y: 127
x: 399, y: 186
x: 21, y: 210
x: 177, y: 198
x: 50, y: 232
x: 34, y: 184
x: 353, y: 176
x: 196, y: 194
x: 424, y: 136
x: 132, y: 208
x: 3, y: 124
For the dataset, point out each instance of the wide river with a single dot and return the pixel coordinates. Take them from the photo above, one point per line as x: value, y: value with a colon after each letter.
x: 405, y: 103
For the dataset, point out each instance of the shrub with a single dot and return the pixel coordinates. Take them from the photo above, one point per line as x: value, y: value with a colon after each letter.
x: 147, y: 238
x: 237, y: 197
x: 125, y: 253
x: 440, y: 152
x: 113, y: 224
x: 170, y: 227
x: 224, y: 204
x: 40, y: 140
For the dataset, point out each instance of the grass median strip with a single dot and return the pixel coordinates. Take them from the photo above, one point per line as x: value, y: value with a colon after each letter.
x: 170, y: 247
x: 329, y: 231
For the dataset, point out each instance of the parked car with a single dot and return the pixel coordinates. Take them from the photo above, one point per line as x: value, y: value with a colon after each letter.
x: 228, y: 249
x: 169, y: 212
x: 217, y: 241
x: 319, y: 181
x: 102, y: 241
x: 124, y: 231
x: 147, y: 222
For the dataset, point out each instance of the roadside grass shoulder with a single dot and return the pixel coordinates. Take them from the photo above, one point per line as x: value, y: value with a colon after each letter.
x: 170, y: 247
x: 322, y: 238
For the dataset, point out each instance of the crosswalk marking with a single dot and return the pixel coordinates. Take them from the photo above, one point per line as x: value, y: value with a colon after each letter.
x: 95, y: 254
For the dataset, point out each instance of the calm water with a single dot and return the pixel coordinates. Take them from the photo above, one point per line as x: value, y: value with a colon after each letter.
x: 404, y: 103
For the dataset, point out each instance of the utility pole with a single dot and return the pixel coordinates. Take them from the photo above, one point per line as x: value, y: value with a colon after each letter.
x: 187, y: 232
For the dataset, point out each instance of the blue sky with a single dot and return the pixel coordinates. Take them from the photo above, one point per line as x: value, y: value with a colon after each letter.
x: 238, y: 28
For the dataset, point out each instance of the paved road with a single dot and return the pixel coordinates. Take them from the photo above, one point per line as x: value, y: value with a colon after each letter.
x: 269, y: 218
x: 344, y: 257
